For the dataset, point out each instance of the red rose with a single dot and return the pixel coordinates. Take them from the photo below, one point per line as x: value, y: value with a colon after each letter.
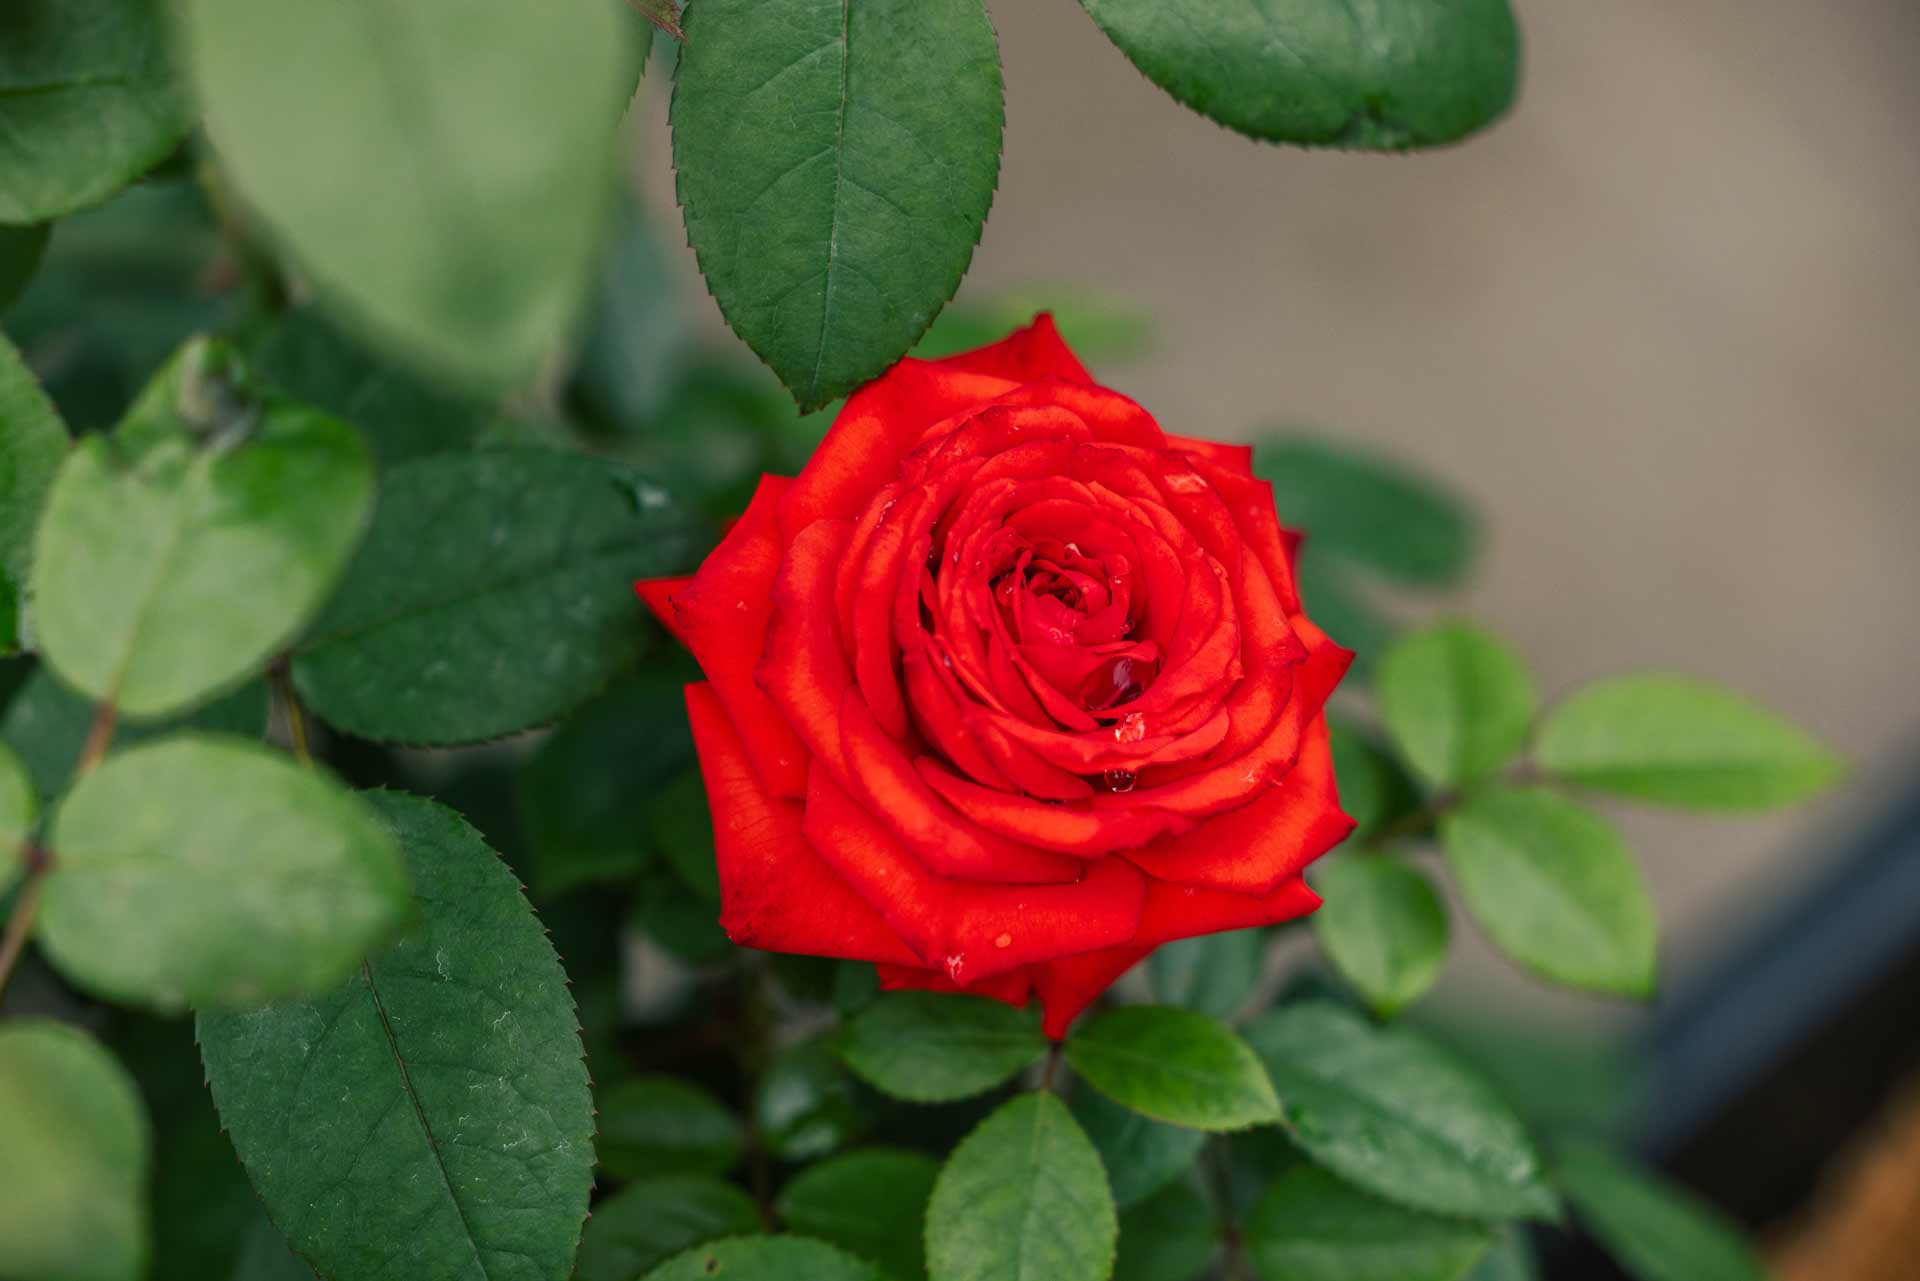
x: 1007, y: 688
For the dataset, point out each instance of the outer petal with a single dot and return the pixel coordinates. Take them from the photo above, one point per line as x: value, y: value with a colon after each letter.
x: 775, y: 892
x: 1013, y: 987
x: 1255, y: 848
x: 972, y: 930
x: 657, y: 594
x: 1037, y: 351
x: 880, y: 425
x: 722, y: 616
x: 1072, y: 983
x: 1181, y: 912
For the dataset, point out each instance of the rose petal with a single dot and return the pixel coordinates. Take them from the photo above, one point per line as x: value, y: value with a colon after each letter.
x: 775, y: 892
x: 657, y: 594
x: 1069, y: 985
x: 722, y: 615
x: 971, y: 930
x: 1175, y: 912
x: 1071, y: 829
x: 1037, y: 351
x: 1014, y: 987
x: 1253, y: 849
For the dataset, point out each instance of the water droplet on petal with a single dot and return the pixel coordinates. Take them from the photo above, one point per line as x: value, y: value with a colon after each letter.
x: 1005, y: 940
x: 1119, y: 780
x: 955, y: 964
x: 1131, y: 729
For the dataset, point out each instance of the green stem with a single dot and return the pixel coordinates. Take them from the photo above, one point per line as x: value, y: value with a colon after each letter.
x: 20, y: 924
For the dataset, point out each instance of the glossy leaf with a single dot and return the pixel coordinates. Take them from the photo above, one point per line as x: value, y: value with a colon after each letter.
x: 832, y: 201
x: 33, y: 441
x: 1212, y: 974
x: 1142, y: 1155
x: 1657, y: 1230
x: 806, y: 1105
x: 765, y: 1259
x: 1382, y: 76
x: 1312, y: 1227
x: 872, y: 1203
x: 437, y: 1098
x: 212, y: 871
x: 1555, y: 887
x: 487, y: 126
x: 1374, y: 789
x: 47, y: 723
x: 1382, y: 925
x: 75, y: 1138
x: 19, y: 811
x: 585, y: 820
x: 1169, y: 1237
x: 1456, y: 700
x: 933, y: 1047
x: 646, y: 1223
x: 401, y: 415
x: 493, y: 593
x: 20, y: 251
x: 1023, y: 1198
x: 654, y: 1125
x: 177, y: 555
x: 1396, y: 1115
x: 1174, y: 1066
x: 1673, y: 740
x: 1511, y: 1260
x: 88, y: 102
x: 1370, y: 510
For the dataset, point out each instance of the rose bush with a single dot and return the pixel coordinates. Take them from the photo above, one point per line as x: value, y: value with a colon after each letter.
x: 1007, y: 688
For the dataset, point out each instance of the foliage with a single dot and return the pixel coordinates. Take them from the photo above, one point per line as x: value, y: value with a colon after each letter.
x: 339, y: 381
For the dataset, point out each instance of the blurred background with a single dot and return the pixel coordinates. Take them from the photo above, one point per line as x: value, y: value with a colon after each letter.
x: 1659, y: 328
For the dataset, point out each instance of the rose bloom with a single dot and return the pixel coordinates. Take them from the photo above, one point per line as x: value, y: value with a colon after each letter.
x: 1007, y: 688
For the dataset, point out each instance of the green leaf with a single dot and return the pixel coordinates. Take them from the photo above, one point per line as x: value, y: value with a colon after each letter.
x: 873, y: 1203
x: 33, y: 441
x: 1370, y: 510
x: 1373, y: 787
x: 1382, y: 925
x: 1174, y: 1066
x: 1170, y: 1237
x: 1555, y: 887
x: 1384, y: 76
x: 1395, y: 1114
x: 19, y: 811
x: 646, y: 1223
x: 586, y: 821
x: 1100, y: 327
x: 175, y: 556
x: 653, y: 1125
x: 639, y: 335
x: 682, y: 922
x: 933, y: 1047
x: 88, y: 102
x: 1212, y: 974
x: 47, y: 724
x: 1512, y: 1260
x: 486, y: 126
x: 20, y: 252
x: 806, y: 1105
x: 1674, y: 740
x: 213, y: 871
x: 1023, y: 1198
x: 437, y: 1098
x: 680, y: 823
x: 493, y: 593
x: 265, y: 1254
x: 75, y: 1138
x: 1657, y: 1229
x: 832, y: 201
x: 402, y: 416
x: 1456, y: 700
x: 1312, y: 1227
x: 1344, y: 609
x: 1142, y: 1155
x: 765, y: 1259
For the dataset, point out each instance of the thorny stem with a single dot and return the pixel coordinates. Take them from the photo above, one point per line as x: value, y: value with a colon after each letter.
x: 282, y: 682
x: 13, y: 942
x: 99, y: 738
